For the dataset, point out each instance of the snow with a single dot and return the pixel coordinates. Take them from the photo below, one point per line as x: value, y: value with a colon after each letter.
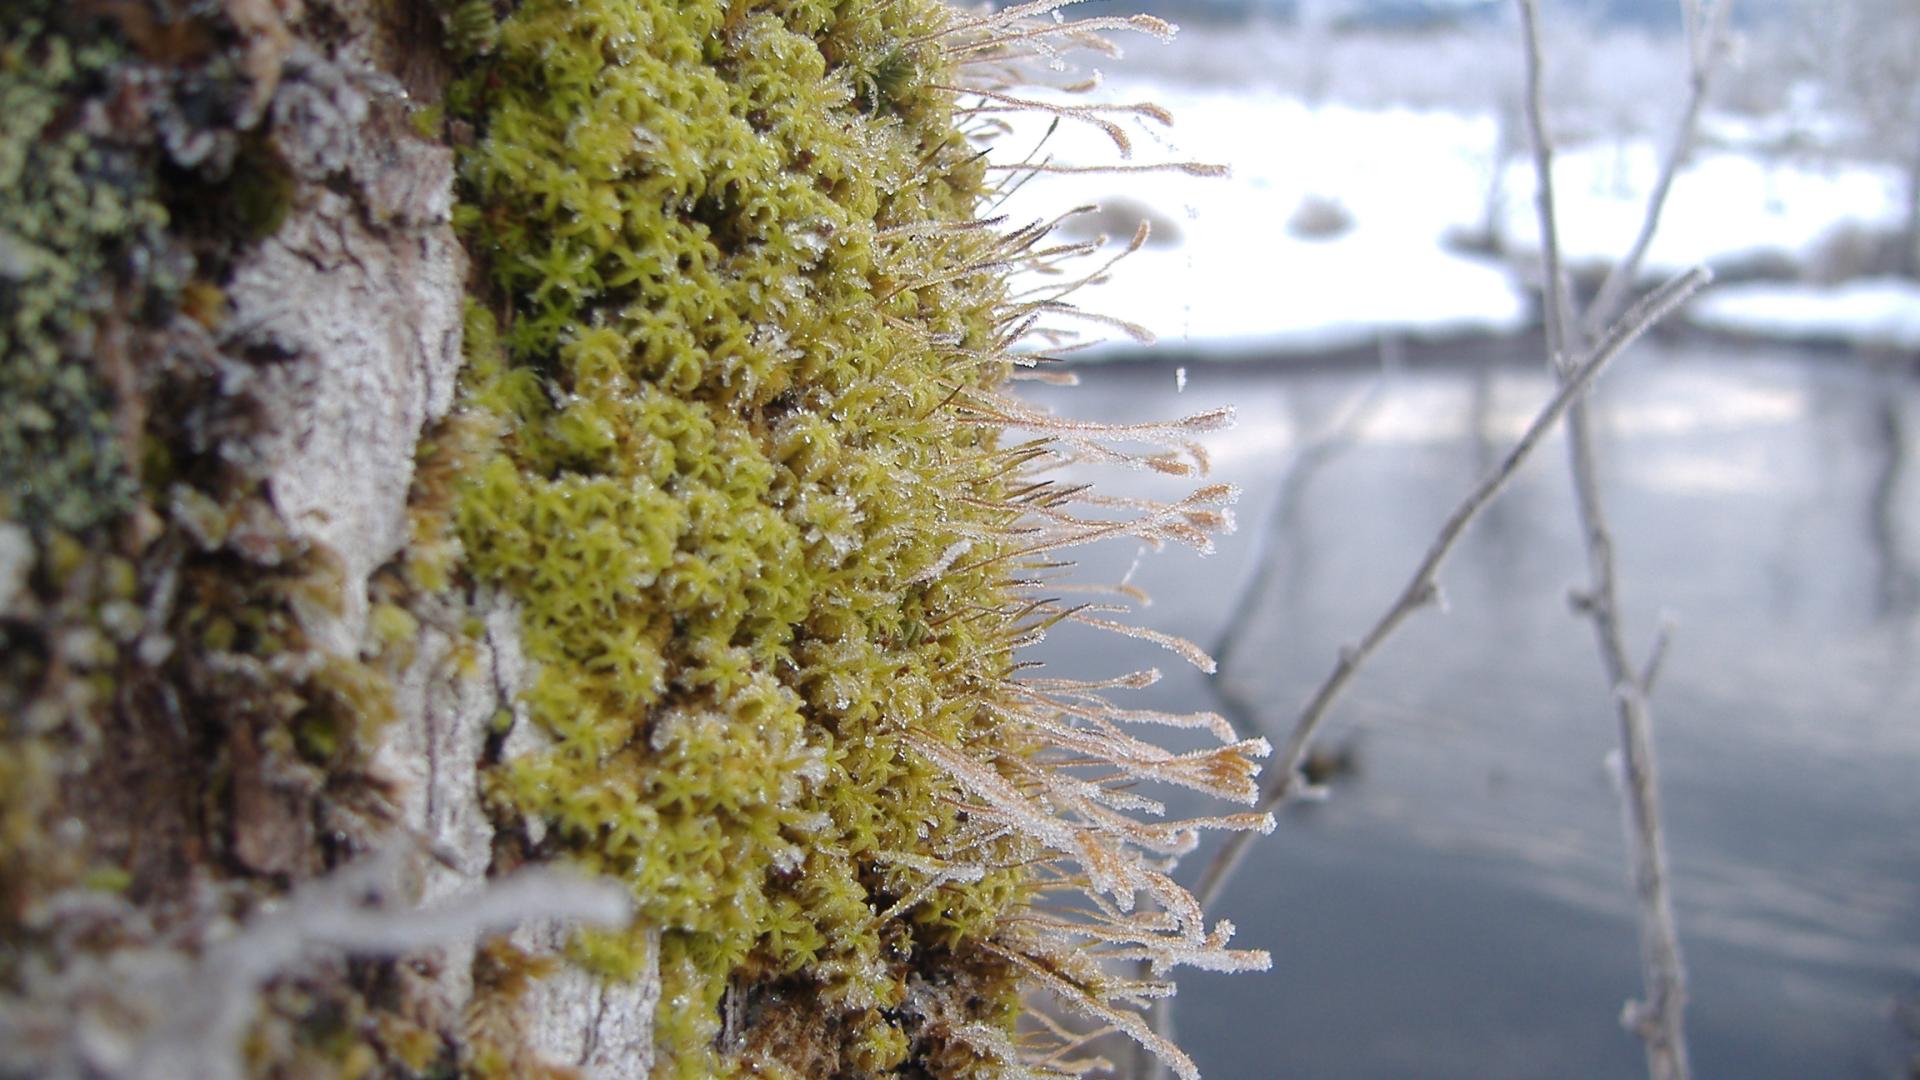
x: 1237, y: 278
x: 1725, y: 208
x: 1879, y: 312
x: 1391, y: 190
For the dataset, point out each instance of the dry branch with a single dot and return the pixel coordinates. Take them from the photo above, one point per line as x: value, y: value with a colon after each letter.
x: 1706, y: 36
x: 1559, y: 309
x: 1422, y: 588
x: 1577, y: 364
x: 1659, y: 1021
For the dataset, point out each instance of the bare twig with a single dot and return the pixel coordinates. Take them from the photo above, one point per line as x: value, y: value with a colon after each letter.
x: 1657, y: 656
x: 1659, y: 1021
x: 1706, y: 34
x: 1576, y: 365
x: 1422, y: 588
x: 1559, y: 308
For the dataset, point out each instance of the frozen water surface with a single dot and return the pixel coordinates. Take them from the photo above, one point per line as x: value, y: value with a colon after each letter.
x: 1460, y: 907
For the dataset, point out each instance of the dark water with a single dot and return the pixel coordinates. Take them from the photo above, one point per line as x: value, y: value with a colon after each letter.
x: 1460, y: 908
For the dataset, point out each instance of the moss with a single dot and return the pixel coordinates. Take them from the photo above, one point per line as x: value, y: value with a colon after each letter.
x: 721, y: 463
x: 707, y: 441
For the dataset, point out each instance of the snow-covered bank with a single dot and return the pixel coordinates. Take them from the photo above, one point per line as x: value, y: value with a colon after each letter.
x: 1389, y: 186
x: 1726, y: 208
x: 1338, y: 226
x: 1880, y: 313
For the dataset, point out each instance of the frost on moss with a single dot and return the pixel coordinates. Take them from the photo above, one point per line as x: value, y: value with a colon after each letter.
x: 723, y: 454
x: 739, y: 344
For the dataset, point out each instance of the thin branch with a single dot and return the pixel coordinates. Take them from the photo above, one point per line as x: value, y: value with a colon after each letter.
x: 1559, y: 308
x: 1706, y: 34
x: 1657, y: 656
x: 1422, y: 588
x: 1659, y: 1022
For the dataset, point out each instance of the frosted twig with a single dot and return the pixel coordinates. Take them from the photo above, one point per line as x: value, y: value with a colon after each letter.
x: 1422, y: 588
x: 1659, y: 1022
x: 1559, y: 308
x: 1706, y: 35
x: 1657, y: 656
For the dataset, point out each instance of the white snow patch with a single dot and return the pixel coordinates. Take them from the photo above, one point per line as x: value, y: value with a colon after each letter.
x: 1235, y: 275
x: 1881, y: 312
x: 1724, y: 207
x: 1223, y: 273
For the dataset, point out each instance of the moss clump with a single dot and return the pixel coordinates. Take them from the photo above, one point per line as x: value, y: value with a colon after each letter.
x: 724, y: 464
x: 729, y: 438
x: 73, y: 204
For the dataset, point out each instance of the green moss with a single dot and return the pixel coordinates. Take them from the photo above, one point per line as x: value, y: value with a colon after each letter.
x: 71, y: 203
x: 722, y: 462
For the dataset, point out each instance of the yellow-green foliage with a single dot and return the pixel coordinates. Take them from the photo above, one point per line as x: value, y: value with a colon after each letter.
x: 721, y: 357
x: 69, y: 202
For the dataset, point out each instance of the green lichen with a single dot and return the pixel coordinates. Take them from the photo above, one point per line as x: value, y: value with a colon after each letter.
x: 71, y: 204
x: 722, y: 464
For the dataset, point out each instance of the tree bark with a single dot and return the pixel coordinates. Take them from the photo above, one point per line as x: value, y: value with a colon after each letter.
x: 270, y: 359
x: 347, y: 590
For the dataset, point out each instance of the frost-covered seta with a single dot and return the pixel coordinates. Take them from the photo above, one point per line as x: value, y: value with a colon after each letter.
x: 742, y: 340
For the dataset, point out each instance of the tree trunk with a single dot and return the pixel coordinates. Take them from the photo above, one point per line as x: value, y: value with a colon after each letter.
x: 449, y: 441
x: 229, y: 233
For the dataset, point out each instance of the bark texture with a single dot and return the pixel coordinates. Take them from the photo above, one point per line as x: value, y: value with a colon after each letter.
x: 346, y: 589
x: 176, y: 770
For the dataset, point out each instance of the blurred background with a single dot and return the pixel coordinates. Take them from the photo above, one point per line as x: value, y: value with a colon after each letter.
x: 1363, y: 289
